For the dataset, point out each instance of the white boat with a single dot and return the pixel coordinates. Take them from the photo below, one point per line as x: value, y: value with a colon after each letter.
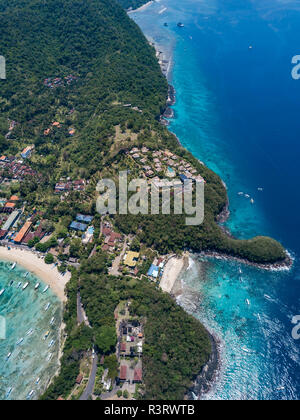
x: 11, y: 283
x: 260, y: 189
x: 47, y: 306
x: 268, y: 297
x: 46, y: 335
x: 49, y: 357
x: 240, y: 193
x: 252, y: 201
x: 26, y: 274
x: 29, y: 332
x: 25, y: 285
x: 247, y: 195
x: 8, y: 356
x: 13, y: 266
x: 246, y: 350
x: 9, y: 391
x: 248, y: 302
x: 20, y: 341
x: 52, y: 321
x: 30, y: 395
x: 51, y: 343
x: 46, y: 288
x: 2, y: 291
x: 36, y: 286
x: 19, y: 284
x: 37, y: 381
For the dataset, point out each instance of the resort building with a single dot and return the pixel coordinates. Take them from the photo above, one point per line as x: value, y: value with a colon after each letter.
x: 11, y: 220
x: 23, y: 232
x: 78, y: 226
x: 26, y: 153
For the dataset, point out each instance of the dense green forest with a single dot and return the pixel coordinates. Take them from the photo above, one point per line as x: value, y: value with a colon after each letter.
x: 111, y: 65
x: 134, y: 4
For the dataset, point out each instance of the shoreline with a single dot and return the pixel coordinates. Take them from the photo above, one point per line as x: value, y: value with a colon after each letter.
x: 284, y: 265
x: 141, y: 8
x: 31, y: 262
x: 173, y: 269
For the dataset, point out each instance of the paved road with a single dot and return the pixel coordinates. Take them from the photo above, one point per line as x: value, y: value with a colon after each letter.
x: 91, y: 383
x: 81, y: 315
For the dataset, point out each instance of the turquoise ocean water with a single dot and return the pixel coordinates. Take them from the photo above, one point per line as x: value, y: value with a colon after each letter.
x: 24, y: 316
x: 237, y: 110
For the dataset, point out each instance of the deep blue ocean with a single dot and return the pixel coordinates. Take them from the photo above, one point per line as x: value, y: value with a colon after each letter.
x: 237, y: 110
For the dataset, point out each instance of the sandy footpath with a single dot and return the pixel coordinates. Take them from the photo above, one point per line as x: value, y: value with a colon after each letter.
x: 172, y: 271
x: 31, y: 262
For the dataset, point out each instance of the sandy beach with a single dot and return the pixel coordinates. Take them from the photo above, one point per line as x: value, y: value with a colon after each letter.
x: 142, y: 7
x: 172, y: 271
x: 31, y: 262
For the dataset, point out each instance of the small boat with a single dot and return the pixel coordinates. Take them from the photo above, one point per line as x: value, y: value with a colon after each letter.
x: 20, y: 341
x: 11, y: 283
x: 248, y: 302
x: 250, y: 47
x: 2, y: 291
x: 47, y: 306
x: 8, y: 356
x: 247, y: 195
x: 49, y: 357
x: 46, y: 335
x: 30, y: 395
x: 19, y: 284
x: 246, y: 350
x: 240, y: 193
x: 25, y: 285
x: 51, y: 343
x: 26, y: 274
x: 252, y: 201
x: 268, y: 297
x: 29, y: 332
x: 165, y: 24
x: 13, y: 266
x: 46, y: 288
x: 9, y: 391
x: 180, y: 25
x: 260, y: 189
x: 52, y: 321
x: 37, y: 381
x: 240, y: 271
x: 36, y: 286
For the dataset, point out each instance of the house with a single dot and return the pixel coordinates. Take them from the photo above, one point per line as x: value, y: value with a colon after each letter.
x: 123, y: 347
x: 123, y: 373
x: 79, y: 379
x: 9, y: 207
x: 138, y: 375
x: 131, y: 259
x: 13, y: 198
